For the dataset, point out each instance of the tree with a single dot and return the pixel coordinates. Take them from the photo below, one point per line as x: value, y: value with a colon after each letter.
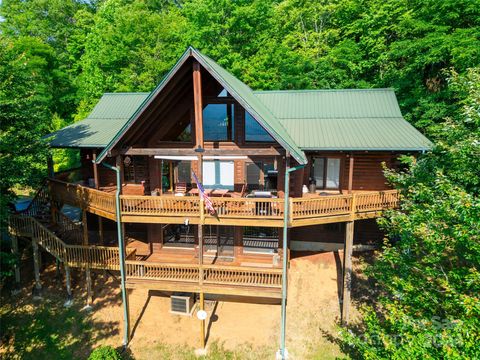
x: 428, y: 275
x: 25, y: 112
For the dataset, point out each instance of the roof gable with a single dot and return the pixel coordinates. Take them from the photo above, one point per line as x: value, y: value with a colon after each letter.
x: 240, y: 91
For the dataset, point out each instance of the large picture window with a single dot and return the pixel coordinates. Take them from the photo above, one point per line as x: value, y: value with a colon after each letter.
x: 218, y: 122
x: 326, y: 172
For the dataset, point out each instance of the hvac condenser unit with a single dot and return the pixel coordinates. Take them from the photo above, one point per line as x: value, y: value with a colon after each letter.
x: 182, y: 304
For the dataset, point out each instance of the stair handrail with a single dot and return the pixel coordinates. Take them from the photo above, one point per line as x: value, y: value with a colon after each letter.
x: 62, y: 249
x: 34, y: 200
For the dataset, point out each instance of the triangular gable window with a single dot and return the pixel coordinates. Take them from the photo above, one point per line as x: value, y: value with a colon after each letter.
x: 254, y: 132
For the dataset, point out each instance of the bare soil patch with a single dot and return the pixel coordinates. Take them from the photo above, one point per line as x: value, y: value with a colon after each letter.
x: 247, y: 330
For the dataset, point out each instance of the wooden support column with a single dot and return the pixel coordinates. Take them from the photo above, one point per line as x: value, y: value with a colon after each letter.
x: 68, y: 284
x: 37, y: 289
x: 198, y: 107
x: 198, y: 104
x: 347, y: 272
x: 350, y: 174
x: 97, y: 186
x: 85, y: 227
x: 170, y: 175
x: 237, y: 241
x: 88, y: 278
x: 17, y: 260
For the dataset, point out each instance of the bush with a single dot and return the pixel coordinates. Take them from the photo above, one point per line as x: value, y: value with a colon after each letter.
x: 105, y: 353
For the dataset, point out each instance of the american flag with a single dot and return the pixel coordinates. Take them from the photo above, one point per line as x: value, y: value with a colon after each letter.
x: 206, y: 199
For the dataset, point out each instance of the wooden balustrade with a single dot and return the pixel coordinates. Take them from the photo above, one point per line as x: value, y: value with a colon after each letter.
x: 230, y: 211
x: 256, y: 208
x: 321, y: 206
x: 161, y: 271
x: 92, y: 200
x: 68, y: 228
x: 376, y: 201
x: 96, y: 257
x: 213, y: 274
x: 245, y: 276
x: 37, y: 204
x: 160, y: 205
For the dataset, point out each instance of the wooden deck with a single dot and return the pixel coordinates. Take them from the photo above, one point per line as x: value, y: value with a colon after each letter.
x: 155, y: 274
x: 230, y: 211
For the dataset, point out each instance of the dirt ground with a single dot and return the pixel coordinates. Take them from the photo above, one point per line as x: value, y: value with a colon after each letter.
x: 313, y: 312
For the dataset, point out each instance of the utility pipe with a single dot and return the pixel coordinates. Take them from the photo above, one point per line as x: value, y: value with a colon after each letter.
x: 121, y: 250
x: 283, y: 354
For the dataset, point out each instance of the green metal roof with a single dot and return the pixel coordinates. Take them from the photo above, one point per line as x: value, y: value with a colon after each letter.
x: 366, y: 119
x: 106, y: 119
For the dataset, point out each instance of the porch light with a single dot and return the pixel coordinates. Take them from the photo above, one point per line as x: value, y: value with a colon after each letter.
x: 127, y: 161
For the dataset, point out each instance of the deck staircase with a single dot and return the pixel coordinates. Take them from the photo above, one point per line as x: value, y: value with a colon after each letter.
x: 60, y: 236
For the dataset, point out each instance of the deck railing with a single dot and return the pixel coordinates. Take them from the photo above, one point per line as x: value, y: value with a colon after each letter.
x: 322, y: 206
x: 244, y: 209
x: 159, y: 205
x: 83, y: 197
x: 212, y: 274
x: 96, y: 257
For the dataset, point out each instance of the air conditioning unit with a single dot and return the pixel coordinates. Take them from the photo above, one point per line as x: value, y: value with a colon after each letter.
x: 182, y: 304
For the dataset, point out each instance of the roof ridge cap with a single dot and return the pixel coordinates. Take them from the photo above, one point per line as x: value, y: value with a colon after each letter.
x: 322, y: 90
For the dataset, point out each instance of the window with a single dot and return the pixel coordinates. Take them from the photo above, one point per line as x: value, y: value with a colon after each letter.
x: 261, y: 175
x: 185, y: 135
x: 254, y: 131
x: 326, y: 173
x: 184, y: 172
x: 218, y: 174
x: 135, y: 169
x: 218, y: 122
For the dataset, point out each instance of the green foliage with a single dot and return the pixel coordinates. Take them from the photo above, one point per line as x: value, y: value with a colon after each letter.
x: 25, y: 109
x: 105, y: 353
x: 428, y: 274
x: 58, y: 57
x: 7, y: 262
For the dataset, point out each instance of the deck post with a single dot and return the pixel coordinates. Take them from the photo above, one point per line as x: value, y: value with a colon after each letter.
x: 97, y: 186
x: 88, y: 279
x: 350, y: 174
x: 68, y: 284
x: 37, y: 288
x: 17, y: 262
x: 198, y: 108
x: 347, y: 272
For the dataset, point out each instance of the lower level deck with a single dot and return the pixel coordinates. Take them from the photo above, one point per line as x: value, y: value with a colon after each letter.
x: 179, y: 269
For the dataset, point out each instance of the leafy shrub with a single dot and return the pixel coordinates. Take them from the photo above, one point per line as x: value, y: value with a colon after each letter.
x: 105, y: 353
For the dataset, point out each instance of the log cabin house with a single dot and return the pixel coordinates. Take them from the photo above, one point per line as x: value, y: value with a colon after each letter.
x: 285, y: 171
